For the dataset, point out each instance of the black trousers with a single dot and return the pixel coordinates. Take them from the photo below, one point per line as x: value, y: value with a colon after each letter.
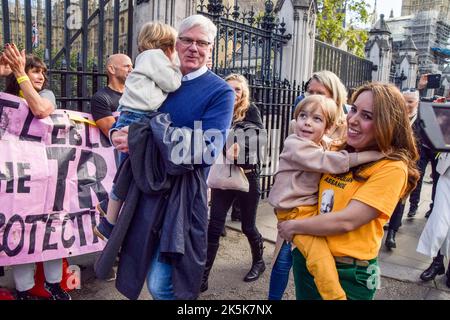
x: 396, y: 219
x: 426, y: 155
x: 221, y: 201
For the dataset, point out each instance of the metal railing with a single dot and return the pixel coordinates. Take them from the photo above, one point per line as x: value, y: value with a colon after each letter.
x: 71, y: 23
x: 251, y: 44
x: 246, y: 42
x: 351, y: 69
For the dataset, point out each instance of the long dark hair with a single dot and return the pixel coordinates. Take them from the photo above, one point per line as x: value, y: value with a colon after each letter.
x: 31, y: 62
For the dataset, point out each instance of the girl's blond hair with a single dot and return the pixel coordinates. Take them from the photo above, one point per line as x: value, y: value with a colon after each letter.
x: 241, y: 106
x: 327, y: 105
x: 156, y: 35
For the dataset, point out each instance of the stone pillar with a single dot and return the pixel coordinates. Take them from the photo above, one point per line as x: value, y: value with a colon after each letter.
x: 411, y: 76
x: 298, y: 55
x: 167, y: 11
x: 379, y: 50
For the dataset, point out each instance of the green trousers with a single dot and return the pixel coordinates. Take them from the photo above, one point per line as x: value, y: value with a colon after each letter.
x: 359, y: 283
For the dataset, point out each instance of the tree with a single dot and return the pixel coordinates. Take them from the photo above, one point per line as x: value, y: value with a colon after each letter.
x: 331, y: 23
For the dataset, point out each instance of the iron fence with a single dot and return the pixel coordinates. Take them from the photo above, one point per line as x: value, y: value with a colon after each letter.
x: 351, y: 69
x: 247, y: 42
x: 78, y: 36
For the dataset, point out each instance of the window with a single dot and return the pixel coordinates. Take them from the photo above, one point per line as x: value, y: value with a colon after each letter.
x: 122, y: 25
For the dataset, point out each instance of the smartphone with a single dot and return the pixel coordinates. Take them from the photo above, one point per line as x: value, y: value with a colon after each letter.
x: 434, y: 81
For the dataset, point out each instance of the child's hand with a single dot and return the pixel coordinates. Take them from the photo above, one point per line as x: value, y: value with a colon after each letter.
x: 369, y: 156
x: 294, y: 128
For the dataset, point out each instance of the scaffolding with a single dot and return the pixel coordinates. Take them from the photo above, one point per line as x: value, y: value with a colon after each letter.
x: 428, y: 30
x: 415, y: 6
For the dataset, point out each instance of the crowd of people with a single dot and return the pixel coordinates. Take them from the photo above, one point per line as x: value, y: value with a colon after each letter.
x: 344, y: 175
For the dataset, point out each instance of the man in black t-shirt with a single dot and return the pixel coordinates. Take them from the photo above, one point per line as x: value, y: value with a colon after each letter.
x: 105, y: 101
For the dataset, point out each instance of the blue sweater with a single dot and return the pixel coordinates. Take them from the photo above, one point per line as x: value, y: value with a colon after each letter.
x: 208, y: 99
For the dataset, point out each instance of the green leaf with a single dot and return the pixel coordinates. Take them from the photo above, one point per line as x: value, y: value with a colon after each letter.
x: 330, y: 23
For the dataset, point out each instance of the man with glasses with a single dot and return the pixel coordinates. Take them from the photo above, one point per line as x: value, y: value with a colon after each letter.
x: 411, y: 97
x: 202, y: 98
x: 427, y: 154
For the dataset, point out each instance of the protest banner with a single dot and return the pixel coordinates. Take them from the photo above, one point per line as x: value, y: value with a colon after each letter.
x: 53, y: 171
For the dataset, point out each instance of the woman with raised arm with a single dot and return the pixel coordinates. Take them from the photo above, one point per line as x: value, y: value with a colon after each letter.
x: 26, y: 77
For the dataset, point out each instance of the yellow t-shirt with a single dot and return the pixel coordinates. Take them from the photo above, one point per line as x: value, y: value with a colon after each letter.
x: 386, y: 183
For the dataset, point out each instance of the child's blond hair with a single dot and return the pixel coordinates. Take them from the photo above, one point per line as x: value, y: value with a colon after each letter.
x: 157, y: 35
x: 327, y: 105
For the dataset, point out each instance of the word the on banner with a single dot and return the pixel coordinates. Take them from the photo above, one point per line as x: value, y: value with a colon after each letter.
x: 53, y: 172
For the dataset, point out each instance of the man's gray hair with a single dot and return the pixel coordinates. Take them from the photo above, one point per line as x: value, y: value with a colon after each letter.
x: 412, y: 92
x: 198, y: 20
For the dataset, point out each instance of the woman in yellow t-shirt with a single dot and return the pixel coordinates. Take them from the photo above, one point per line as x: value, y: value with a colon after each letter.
x: 363, y: 198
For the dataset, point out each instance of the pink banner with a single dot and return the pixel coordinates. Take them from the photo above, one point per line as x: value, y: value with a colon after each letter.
x: 53, y: 172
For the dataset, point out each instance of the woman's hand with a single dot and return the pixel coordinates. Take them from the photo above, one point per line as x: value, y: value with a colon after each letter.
x: 423, y: 81
x: 120, y: 139
x: 286, y: 230
x: 233, y: 152
x: 15, y: 59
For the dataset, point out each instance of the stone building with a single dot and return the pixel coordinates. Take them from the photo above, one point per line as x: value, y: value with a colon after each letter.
x: 445, y: 81
x: 411, y: 7
x: 404, y: 61
x: 17, y: 22
x: 430, y: 28
x: 421, y: 32
x: 379, y: 50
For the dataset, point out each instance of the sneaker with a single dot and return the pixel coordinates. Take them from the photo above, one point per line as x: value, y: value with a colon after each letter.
x: 56, y: 291
x: 26, y: 295
x: 102, y: 207
x: 103, y: 229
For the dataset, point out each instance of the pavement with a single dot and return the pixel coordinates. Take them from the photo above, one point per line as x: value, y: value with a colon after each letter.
x: 400, y: 268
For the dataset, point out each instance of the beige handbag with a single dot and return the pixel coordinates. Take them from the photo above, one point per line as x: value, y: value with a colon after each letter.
x: 227, y: 176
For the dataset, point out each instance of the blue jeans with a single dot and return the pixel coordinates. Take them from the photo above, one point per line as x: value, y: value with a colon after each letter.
x: 159, y: 279
x: 128, y: 117
x: 280, y: 272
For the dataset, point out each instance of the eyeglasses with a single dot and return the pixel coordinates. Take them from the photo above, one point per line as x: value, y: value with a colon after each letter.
x: 202, y: 44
